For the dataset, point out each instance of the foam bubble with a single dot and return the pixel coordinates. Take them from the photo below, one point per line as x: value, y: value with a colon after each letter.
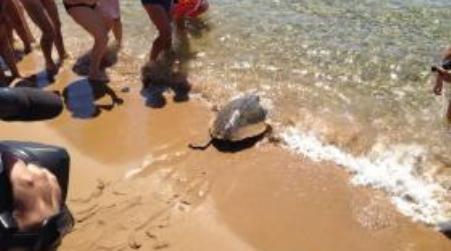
x: 147, y: 163
x: 389, y: 168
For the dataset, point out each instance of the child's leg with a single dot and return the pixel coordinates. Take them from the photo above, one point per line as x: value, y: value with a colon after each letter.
x: 2, y: 78
x: 438, y: 87
x: 162, y: 21
x: 448, y: 112
x: 7, y: 52
x: 111, y: 14
x: 117, y: 31
x: 91, y: 20
x: 15, y: 21
x: 9, y: 32
x: 24, y: 21
x: 52, y: 11
x: 39, y: 16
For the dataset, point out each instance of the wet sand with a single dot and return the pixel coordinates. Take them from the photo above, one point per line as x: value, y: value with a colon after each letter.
x: 135, y: 185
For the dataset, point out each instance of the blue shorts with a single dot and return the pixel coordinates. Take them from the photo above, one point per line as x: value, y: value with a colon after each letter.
x: 166, y: 4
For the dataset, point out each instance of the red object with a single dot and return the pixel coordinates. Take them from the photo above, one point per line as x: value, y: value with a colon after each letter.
x: 190, y: 8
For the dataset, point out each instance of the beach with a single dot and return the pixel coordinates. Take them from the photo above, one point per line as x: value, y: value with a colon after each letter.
x: 135, y: 185
x: 344, y: 81
x: 359, y: 156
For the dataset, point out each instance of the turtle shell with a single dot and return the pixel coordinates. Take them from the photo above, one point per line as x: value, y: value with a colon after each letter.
x: 242, y: 118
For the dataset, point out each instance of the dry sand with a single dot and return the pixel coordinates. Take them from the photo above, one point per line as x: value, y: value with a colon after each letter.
x: 135, y: 185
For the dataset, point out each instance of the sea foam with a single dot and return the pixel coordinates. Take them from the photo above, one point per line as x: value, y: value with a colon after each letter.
x: 392, y: 169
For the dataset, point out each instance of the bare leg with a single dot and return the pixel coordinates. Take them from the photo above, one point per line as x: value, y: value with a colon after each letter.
x: 37, y: 13
x: 52, y: 11
x: 2, y: 78
x: 6, y: 51
x: 438, y: 85
x: 9, y: 30
x: 91, y: 20
x: 15, y: 21
x: 10, y: 39
x: 117, y: 31
x: 448, y: 112
x: 27, y: 27
x: 438, y: 90
x: 161, y: 19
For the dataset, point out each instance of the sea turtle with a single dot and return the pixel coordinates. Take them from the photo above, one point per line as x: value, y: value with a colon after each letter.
x: 241, y: 119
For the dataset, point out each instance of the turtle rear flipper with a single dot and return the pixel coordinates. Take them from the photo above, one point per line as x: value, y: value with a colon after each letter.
x: 201, y: 146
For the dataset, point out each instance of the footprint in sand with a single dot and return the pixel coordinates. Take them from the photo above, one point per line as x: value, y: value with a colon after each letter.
x: 133, y: 243
x: 100, y: 187
x: 159, y: 244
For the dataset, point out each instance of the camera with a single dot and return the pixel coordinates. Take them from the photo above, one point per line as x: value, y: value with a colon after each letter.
x: 28, y: 104
x: 57, y: 161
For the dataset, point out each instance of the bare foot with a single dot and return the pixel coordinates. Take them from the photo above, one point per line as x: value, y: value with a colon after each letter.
x: 99, y: 77
x: 51, y: 69
x: 64, y: 56
x: 118, y: 45
x: 15, y: 74
x: 27, y: 50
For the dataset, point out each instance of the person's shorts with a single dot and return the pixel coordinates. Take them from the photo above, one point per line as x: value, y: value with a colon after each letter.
x: 166, y: 4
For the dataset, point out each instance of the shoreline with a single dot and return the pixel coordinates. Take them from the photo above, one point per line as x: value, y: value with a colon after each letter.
x: 135, y: 185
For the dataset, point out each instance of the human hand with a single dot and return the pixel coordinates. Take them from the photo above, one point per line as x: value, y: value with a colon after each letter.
x: 36, y: 194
